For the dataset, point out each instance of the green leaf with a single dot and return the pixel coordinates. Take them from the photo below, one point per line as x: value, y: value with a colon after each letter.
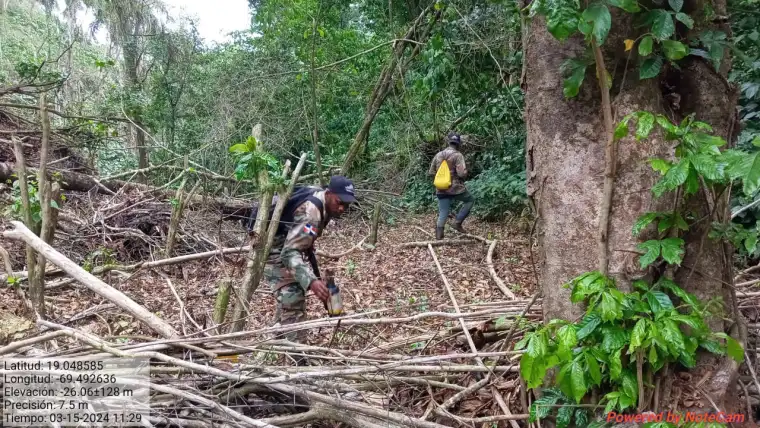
x: 567, y: 339
x: 705, y: 164
x: 750, y: 244
x: 578, y: 380
x: 662, y: 25
x: 621, y: 130
x: 611, y: 308
x: 562, y: 18
x: 675, y: 177
x: 638, y: 335
x: 672, y: 250
x: 650, y: 68
x: 54, y: 204
x: 542, y: 406
x: 532, y: 370
x: 630, y: 386
x: 581, y: 418
x: 239, y: 148
x: 713, y: 347
x: 572, y: 84
x: 673, y: 336
x: 613, y: 337
x: 694, y: 322
x: 588, y: 324
x: 735, y: 350
x: 676, y: 5
x: 644, y: 125
x: 616, y: 364
x: 599, y: 16
x: 692, y: 182
x: 659, y: 302
x: 645, y: 47
x: 660, y: 165
x: 593, y: 369
x: 538, y: 346
x: 652, y: 355
x: 751, y: 180
x: 630, y: 6
x: 564, y: 415
x: 652, y: 248
x: 685, y: 19
x: 674, y: 50
x: 643, y: 222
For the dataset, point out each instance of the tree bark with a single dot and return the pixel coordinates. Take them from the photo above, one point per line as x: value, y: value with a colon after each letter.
x: 565, y: 166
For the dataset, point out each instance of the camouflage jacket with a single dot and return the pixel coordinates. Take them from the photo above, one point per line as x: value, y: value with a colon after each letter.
x: 457, y: 167
x: 289, y: 251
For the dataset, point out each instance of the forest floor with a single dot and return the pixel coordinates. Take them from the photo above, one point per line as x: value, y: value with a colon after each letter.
x: 397, y: 280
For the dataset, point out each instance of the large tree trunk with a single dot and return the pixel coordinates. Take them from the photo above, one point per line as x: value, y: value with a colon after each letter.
x: 565, y: 158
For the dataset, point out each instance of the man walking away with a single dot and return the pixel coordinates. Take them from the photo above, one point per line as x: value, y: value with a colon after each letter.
x: 457, y: 191
x: 307, y: 213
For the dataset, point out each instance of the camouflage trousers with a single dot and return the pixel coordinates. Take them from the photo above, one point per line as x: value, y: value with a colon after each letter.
x: 291, y: 299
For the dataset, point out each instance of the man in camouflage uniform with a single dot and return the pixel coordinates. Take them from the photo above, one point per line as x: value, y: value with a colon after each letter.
x: 457, y: 191
x: 287, y: 272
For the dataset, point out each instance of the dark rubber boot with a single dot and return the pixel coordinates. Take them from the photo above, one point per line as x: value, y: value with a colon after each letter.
x: 438, y: 233
x: 458, y: 227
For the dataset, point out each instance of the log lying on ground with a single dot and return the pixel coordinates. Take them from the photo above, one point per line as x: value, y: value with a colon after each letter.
x: 22, y: 233
x: 83, y: 183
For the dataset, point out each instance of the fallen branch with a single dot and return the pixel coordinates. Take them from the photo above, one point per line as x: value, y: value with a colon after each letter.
x: 22, y: 233
x: 437, y: 243
x: 499, y: 283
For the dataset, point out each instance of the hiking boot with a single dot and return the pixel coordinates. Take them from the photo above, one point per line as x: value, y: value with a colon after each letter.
x: 438, y: 233
x: 458, y: 227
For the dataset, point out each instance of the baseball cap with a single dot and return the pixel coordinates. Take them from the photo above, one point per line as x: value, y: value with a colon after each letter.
x: 343, y: 187
x: 454, y: 138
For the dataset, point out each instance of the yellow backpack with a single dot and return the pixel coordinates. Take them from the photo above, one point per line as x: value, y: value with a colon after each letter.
x: 442, y: 177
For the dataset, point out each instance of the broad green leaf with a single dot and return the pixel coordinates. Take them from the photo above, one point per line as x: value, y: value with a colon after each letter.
x: 674, y: 50
x: 645, y: 47
x: 675, y: 177
x: 239, y: 148
x: 593, y: 369
x: 676, y: 5
x: 672, y: 250
x: 567, y: 339
x: 680, y: 222
x: 588, y: 324
x: 652, y: 248
x: 572, y: 84
x: 564, y: 415
x: 621, y: 130
x: 735, y: 349
x: 662, y: 25
x: 650, y: 67
x: 54, y: 204
x: 751, y: 180
x: 578, y: 380
x: 638, y: 335
x: 630, y: 385
x: 685, y: 19
x: 630, y: 6
x: 673, y: 337
x: 664, y: 122
x: 641, y: 285
x: 652, y: 354
x: 693, y: 322
x: 616, y: 364
x: 705, y: 165
x: 538, y: 346
x: 562, y: 18
x: 713, y: 346
x: 644, y: 125
x: 611, y: 308
x: 660, y: 165
x: 524, y: 341
x: 599, y: 16
x: 692, y: 182
x: 750, y: 244
x: 531, y: 370
x: 614, y: 337
x: 659, y: 301
x: 643, y: 222
x: 581, y: 418
x: 542, y: 406
x: 611, y: 403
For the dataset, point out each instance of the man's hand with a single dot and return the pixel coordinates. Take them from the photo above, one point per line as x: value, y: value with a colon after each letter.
x: 320, y: 290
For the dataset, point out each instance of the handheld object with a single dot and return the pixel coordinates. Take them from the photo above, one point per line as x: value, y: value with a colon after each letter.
x: 334, y: 304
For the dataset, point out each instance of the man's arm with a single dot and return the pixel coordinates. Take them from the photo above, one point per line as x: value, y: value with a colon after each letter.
x: 299, y: 240
x: 461, y: 167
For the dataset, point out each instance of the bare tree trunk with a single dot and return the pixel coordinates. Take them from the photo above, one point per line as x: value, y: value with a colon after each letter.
x: 565, y: 159
x: 35, y: 287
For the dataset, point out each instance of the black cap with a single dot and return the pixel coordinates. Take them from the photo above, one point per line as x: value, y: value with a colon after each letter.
x: 343, y: 187
x: 454, y: 138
